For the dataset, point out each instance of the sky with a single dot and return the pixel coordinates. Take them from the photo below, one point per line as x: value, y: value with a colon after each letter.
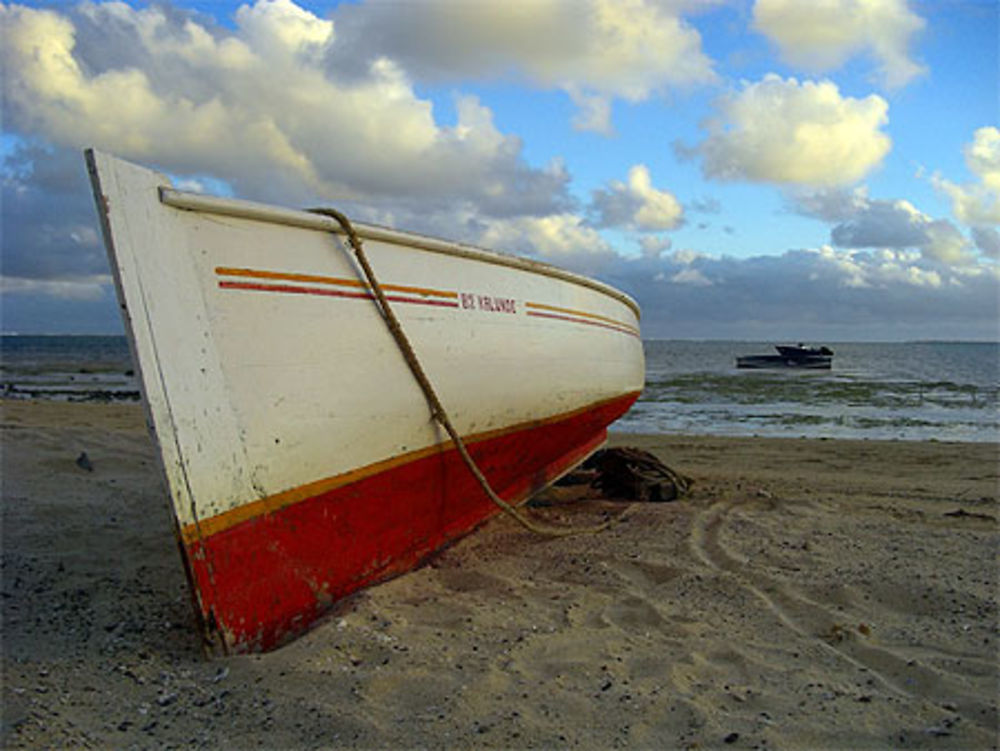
x: 821, y: 170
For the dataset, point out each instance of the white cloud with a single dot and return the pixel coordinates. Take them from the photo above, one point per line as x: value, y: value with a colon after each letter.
x: 653, y: 246
x: 593, y: 111
x: 983, y: 156
x: 691, y: 276
x: 563, y: 239
x: 283, y: 25
x: 255, y: 106
x: 81, y: 288
x: 977, y: 203
x: 686, y: 256
x: 945, y: 243
x: 786, y: 132
x: 595, y: 50
x: 637, y: 204
x: 821, y: 35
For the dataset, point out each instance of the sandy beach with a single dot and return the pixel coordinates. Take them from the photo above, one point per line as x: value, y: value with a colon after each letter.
x: 807, y: 594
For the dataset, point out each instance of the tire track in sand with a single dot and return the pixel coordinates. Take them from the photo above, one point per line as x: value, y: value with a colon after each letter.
x: 813, y: 621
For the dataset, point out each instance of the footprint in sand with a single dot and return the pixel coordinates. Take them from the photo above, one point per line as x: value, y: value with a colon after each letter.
x: 812, y: 620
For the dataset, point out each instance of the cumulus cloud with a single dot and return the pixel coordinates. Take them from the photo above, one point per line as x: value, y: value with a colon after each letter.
x: 978, y: 203
x: 880, y: 224
x: 692, y: 277
x: 595, y: 50
x: 563, y: 239
x: 636, y: 205
x: 860, y: 221
x: 782, y: 131
x: 653, y: 246
x: 983, y: 156
x: 255, y: 106
x: 821, y: 35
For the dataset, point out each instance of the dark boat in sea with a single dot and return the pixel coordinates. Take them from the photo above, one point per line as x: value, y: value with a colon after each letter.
x: 790, y: 356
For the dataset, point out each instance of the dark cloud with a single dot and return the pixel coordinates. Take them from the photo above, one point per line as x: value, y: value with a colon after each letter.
x: 55, y: 273
x: 50, y: 229
x: 826, y: 295
x: 882, y: 224
x: 987, y: 239
x: 613, y: 208
x: 34, y: 312
x: 863, y: 222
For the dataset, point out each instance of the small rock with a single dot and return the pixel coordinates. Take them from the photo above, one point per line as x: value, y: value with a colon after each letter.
x: 83, y: 462
x: 731, y: 738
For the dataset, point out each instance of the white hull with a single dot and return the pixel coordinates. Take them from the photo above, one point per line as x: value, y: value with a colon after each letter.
x: 268, y: 370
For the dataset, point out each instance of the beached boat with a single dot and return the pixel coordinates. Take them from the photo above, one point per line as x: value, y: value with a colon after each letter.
x: 790, y: 356
x: 299, y: 451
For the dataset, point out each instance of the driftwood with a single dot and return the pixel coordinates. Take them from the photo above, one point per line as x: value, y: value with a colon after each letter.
x: 961, y: 512
x: 634, y: 474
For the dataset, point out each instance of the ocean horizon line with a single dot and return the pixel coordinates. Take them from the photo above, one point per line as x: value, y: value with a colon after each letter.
x: 688, y: 340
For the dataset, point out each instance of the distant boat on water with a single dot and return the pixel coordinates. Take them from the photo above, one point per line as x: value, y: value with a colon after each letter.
x: 790, y: 356
x: 302, y: 451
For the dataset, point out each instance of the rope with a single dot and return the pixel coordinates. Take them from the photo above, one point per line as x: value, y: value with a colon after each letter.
x: 438, y: 412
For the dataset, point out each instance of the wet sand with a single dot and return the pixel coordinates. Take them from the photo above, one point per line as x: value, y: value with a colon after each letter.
x: 807, y: 594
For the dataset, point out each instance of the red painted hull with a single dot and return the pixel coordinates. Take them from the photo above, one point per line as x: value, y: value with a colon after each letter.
x: 263, y: 580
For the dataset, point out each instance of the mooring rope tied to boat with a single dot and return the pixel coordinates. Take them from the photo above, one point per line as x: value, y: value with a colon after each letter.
x: 438, y: 412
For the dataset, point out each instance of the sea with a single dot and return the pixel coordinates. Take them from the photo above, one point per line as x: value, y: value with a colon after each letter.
x: 912, y: 391
x: 67, y: 368
x: 915, y: 391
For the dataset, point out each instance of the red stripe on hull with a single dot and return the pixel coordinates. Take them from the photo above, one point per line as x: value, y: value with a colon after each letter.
x: 267, y: 579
